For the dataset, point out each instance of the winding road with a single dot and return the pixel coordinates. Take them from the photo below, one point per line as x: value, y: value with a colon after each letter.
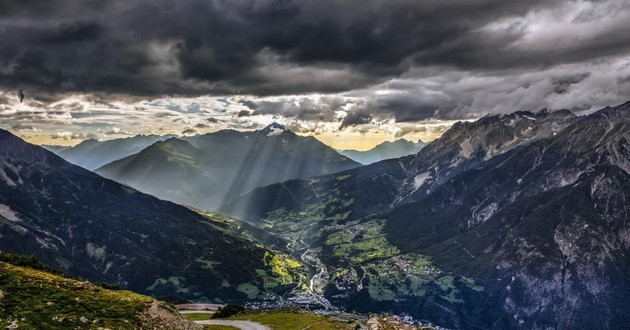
x: 243, y: 325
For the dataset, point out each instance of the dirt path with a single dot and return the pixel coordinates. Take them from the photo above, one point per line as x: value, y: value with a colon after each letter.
x: 243, y: 325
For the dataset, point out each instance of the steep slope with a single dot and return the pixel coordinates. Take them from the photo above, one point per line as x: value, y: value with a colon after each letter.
x: 92, y: 154
x: 34, y: 298
x: 203, y: 171
x: 468, y: 144
x: 544, y: 226
x: 386, y: 150
x: 88, y: 226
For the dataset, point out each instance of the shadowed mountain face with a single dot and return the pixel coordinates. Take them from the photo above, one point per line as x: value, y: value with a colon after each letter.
x: 202, y: 171
x: 532, y: 207
x: 544, y: 226
x: 386, y: 150
x: 91, y: 227
x: 92, y: 154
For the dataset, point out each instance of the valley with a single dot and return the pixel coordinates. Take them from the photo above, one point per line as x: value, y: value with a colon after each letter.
x: 441, y: 247
x: 314, y: 165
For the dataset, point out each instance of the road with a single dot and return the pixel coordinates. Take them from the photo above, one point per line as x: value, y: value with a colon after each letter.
x: 243, y: 325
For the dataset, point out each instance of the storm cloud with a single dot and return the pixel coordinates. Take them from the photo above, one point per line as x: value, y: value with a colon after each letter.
x: 274, y: 47
x: 344, y: 62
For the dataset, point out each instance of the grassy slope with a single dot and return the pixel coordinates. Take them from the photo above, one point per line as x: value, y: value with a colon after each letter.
x: 35, y: 299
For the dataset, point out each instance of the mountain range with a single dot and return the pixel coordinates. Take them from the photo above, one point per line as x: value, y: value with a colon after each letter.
x: 511, y: 221
x: 507, y: 222
x: 385, y: 150
x: 543, y: 226
x: 87, y: 226
x: 92, y: 154
x: 205, y: 170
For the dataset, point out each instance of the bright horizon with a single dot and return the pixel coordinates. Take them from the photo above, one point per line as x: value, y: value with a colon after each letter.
x: 335, y: 140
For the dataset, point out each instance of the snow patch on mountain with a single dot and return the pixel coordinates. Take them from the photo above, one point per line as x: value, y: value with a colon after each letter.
x: 6, y: 212
x: 9, y: 174
x: 419, y: 179
x: 95, y: 251
x: 467, y: 148
x: 275, y: 131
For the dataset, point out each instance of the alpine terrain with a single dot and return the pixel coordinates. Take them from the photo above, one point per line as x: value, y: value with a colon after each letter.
x: 385, y: 150
x: 506, y: 222
x: 92, y: 154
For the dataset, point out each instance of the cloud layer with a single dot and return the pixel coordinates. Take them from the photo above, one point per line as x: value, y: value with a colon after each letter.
x: 328, y: 65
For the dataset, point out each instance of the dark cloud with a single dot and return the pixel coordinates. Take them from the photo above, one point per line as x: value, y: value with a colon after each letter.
x: 562, y: 84
x: 250, y: 104
x: 72, y: 32
x: 50, y: 8
x: 373, y: 59
x: 405, y: 107
x: 244, y: 113
x: 159, y: 47
x: 304, y: 108
x: 189, y: 131
x: 23, y: 127
x: 410, y: 130
x: 355, y: 118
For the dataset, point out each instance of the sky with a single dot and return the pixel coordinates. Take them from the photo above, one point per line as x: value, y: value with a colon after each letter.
x: 352, y: 73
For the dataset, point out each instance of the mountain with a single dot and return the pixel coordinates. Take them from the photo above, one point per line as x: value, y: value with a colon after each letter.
x: 379, y: 187
x: 92, y: 154
x: 91, y: 227
x: 544, y: 226
x: 54, y: 148
x: 34, y: 297
x: 385, y: 150
x: 204, y: 170
x: 348, y: 223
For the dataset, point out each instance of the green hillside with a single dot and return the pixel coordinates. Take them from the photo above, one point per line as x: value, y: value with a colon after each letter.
x: 32, y: 298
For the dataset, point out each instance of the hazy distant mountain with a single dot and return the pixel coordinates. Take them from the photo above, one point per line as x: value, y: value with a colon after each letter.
x: 385, y: 150
x: 92, y: 227
x: 92, y: 154
x: 54, y: 148
x: 204, y: 170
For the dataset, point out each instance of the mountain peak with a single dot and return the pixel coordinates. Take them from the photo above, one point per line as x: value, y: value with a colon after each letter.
x: 619, y: 112
x: 5, y: 133
x: 275, y: 125
x: 273, y: 129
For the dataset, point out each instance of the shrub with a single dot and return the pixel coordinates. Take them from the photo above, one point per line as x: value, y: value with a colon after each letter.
x: 227, y: 311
